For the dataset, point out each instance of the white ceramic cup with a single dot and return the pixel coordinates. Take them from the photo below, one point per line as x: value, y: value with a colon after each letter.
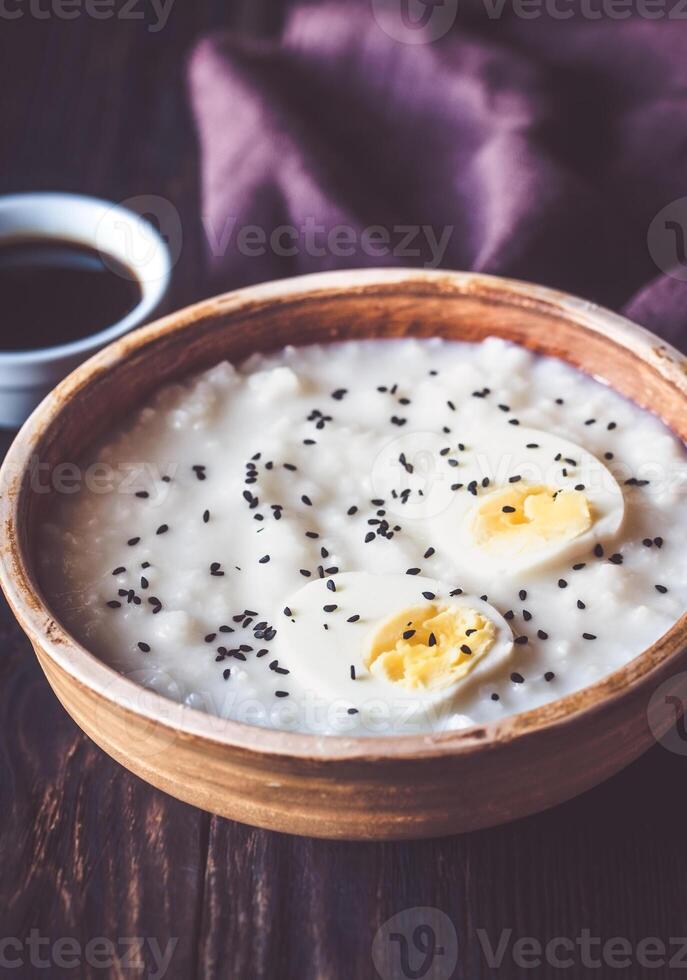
x: 27, y: 376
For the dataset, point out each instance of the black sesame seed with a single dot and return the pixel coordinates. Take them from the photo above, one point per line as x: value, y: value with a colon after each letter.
x: 281, y: 694
x: 466, y: 650
x: 521, y: 640
x: 514, y: 479
x: 580, y: 604
x: 353, y: 619
x: 306, y: 500
x: 339, y: 393
x: 311, y: 534
x: 331, y: 607
x: 143, y: 647
x: 658, y: 542
x: 508, y: 509
x: 370, y: 536
x: 352, y: 672
x: 616, y: 559
x: 119, y: 570
x: 429, y: 595
x: 542, y: 635
x: 549, y: 676
x: 263, y: 560
x: 114, y: 604
x: 132, y: 541
x: 517, y: 678
x: 206, y: 516
x: 412, y: 571
x: 428, y: 553
x: 647, y: 542
x: 526, y: 615
x: 331, y: 585
x: 522, y: 594
x: 455, y: 592
x: 509, y: 614
x: 495, y: 697
x: 163, y: 528
x: 661, y: 588
x: 352, y: 711
x: 226, y: 673
x: 598, y: 550
x: 588, y: 636
x: 142, y: 494
x: 562, y: 584
x: 408, y: 633
x: 576, y: 568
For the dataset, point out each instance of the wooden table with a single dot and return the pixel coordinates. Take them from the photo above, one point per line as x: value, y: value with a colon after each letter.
x: 89, y: 851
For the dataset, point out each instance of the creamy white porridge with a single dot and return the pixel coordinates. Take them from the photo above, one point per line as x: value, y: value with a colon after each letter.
x: 375, y: 537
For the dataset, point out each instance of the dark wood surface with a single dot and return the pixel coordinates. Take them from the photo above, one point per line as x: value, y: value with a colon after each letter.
x: 89, y: 851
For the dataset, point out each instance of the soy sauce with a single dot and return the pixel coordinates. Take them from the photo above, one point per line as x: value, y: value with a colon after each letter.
x: 54, y: 291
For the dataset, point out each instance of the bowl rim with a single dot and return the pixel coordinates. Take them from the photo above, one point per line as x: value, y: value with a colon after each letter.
x: 87, y: 671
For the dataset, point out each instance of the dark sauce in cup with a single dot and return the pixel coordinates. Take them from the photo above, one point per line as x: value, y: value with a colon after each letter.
x: 54, y: 291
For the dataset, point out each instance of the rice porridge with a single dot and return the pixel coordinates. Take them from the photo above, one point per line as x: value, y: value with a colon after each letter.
x: 374, y: 537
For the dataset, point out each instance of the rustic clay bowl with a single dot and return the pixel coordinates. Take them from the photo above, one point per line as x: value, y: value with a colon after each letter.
x: 403, y: 787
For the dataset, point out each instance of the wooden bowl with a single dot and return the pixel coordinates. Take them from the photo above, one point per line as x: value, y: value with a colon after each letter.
x: 331, y: 786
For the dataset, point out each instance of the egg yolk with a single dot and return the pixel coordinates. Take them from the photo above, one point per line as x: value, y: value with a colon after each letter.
x: 429, y: 647
x: 521, y: 518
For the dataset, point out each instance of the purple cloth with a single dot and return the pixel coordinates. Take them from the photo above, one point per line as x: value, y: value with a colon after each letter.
x: 541, y: 149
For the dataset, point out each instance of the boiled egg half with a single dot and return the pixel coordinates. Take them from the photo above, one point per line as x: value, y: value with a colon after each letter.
x: 524, y: 500
x: 406, y: 644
